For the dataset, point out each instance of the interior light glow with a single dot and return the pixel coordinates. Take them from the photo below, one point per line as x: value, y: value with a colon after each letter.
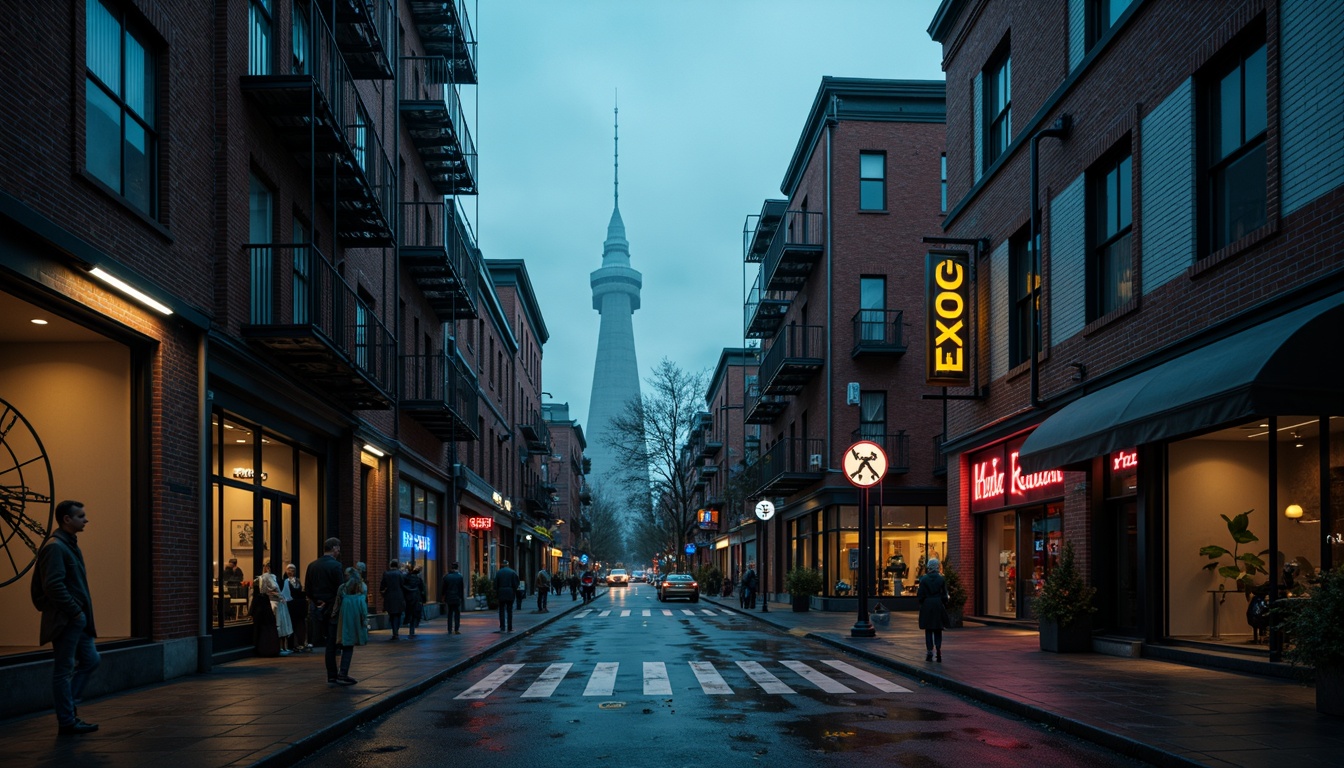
x: 38, y: 321
x: 127, y: 289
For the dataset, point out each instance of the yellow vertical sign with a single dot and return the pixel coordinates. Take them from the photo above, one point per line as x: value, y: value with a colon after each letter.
x: 947, y: 313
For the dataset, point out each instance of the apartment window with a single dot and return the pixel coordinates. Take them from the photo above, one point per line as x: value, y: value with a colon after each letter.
x: 942, y: 177
x: 121, y: 144
x: 1235, y: 112
x: 1023, y: 281
x: 1110, y: 271
x: 302, y: 42
x: 359, y: 137
x: 259, y: 37
x: 364, y: 330
x: 873, y: 417
x: 260, y: 223
x: 998, y: 105
x: 872, y: 308
x: 872, y: 181
x: 1101, y: 16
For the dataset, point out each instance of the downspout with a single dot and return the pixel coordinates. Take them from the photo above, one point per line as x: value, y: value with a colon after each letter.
x: 831, y: 122
x: 1060, y: 130
x: 204, y: 640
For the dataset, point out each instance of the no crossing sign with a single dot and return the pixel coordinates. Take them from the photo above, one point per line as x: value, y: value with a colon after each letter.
x: 865, y: 464
x: 765, y: 510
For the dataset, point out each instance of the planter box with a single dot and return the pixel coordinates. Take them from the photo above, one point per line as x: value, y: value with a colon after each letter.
x: 1075, y: 638
x: 801, y: 603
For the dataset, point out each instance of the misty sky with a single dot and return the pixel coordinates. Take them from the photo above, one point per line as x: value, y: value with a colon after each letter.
x: 713, y: 96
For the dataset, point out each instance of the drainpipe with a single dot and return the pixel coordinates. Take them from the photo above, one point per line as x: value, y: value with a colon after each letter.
x: 831, y: 122
x: 1060, y: 130
x: 204, y: 640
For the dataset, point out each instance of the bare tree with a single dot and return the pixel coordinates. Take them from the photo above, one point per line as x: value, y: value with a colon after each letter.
x: 606, y: 540
x: 649, y: 438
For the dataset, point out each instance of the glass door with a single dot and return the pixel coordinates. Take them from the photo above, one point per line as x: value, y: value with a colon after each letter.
x: 1039, y: 539
x: 1125, y: 528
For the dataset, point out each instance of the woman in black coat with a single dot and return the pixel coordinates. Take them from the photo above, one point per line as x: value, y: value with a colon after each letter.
x: 933, y: 599
x: 413, y: 586
x: 394, y: 596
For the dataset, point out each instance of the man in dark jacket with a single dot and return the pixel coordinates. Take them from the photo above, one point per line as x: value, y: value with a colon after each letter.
x: 324, y: 578
x: 394, y: 599
x: 60, y: 590
x: 507, y: 585
x: 453, y: 595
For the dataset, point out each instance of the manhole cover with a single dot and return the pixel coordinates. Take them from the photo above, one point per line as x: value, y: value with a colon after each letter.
x: 611, y: 705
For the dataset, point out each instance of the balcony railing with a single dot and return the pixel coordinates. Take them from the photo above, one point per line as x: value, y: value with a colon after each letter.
x: 445, y: 30
x: 433, y: 115
x: 438, y: 249
x: 311, y: 320
x: 318, y: 115
x: 438, y: 392
x: 793, y: 251
x: 896, y: 447
x: 796, y: 353
x: 879, y: 332
x: 763, y: 409
x: 363, y: 31
x: 759, y: 230
x: 788, y: 466
x: 536, y: 434
x: 764, y: 311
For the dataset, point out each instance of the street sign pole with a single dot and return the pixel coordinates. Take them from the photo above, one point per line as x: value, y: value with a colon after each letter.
x: 865, y: 465
x: 764, y: 511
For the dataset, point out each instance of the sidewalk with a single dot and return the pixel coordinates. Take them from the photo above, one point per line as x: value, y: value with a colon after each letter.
x: 265, y: 712
x: 1160, y: 712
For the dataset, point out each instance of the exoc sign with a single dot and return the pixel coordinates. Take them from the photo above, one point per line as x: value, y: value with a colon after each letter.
x: 947, y: 313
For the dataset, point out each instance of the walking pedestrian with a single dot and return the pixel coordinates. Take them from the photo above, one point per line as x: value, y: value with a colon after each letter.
x: 543, y: 588
x: 60, y: 590
x: 453, y: 594
x: 507, y: 586
x: 588, y: 584
x: 933, y: 598
x: 353, y: 619
x: 573, y: 586
x: 414, y: 587
x: 748, y: 595
x: 298, y: 611
x: 277, y: 592
x: 394, y: 597
x: 324, y: 578
x: 558, y: 580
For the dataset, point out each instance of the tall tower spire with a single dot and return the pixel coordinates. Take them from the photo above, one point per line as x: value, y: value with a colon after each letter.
x: 616, y: 286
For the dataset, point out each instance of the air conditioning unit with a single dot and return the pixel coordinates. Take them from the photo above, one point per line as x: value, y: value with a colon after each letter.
x: 814, y: 462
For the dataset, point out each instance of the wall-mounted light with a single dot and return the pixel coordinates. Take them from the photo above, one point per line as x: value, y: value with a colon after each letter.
x: 1293, y: 512
x: 373, y: 451
x: 38, y: 321
x: 127, y: 289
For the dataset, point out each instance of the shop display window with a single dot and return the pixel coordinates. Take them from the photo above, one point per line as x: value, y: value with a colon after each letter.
x: 905, y: 538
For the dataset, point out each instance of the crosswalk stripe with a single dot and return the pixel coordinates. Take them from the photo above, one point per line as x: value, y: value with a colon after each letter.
x: 491, y: 682
x: 666, y: 612
x: 708, y: 613
x: 816, y: 678
x: 624, y: 614
x: 688, y: 611
x: 647, y: 612
x: 547, y: 682
x: 603, y: 680
x: 867, y: 677
x: 655, y: 679
x: 581, y: 614
x: 711, y: 682
x: 768, y: 682
x: 604, y: 613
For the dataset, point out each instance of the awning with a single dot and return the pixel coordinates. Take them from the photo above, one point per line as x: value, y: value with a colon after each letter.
x: 1290, y: 365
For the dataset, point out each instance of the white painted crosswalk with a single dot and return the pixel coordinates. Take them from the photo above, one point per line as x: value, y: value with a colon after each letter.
x: 655, y: 678
x: 627, y: 613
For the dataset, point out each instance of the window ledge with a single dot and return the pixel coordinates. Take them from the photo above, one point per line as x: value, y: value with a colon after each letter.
x: 882, y: 212
x: 97, y: 184
x: 1129, y: 307
x: 1233, y: 249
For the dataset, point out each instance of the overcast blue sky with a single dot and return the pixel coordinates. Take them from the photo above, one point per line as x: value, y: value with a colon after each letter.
x: 713, y: 95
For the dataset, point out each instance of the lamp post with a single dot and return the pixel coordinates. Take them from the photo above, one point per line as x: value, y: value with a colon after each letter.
x: 865, y: 465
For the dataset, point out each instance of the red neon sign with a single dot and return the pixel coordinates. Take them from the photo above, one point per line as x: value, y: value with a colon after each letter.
x: 480, y: 523
x: 997, y: 479
x: 1124, y: 460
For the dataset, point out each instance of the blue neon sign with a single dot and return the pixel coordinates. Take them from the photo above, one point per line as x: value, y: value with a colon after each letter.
x: 420, y: 545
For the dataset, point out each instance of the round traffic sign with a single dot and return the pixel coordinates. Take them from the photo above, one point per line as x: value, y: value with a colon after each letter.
x: 865, y: 463
x: 766, y: 509
x: 690, y: 549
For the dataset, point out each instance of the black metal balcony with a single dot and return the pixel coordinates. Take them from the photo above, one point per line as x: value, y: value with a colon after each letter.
x: 311, y: 321
x: 764, y: 311
x: 760, y: 229
x: 896, y: 447
x: 787, y: 467
x: 795, y: 355
x: 319, y: 117
x: 432, y: 113
x: 438, y: 392
x: 763, y: 409
x: 445, y: 30
x: 794, y: 250
x: 363, y: 30
x: 879, y: 332
x: 536, y: 498
x: 536, y: 434
x: 438, y: 250
x: 939, y: 458
x: 710, y: 449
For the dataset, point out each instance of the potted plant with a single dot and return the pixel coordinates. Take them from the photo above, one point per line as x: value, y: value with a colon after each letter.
x: 1245, y: 566
x: 802, y: 584
x: 1314, y: 629
x: 1064, y: 608
x: 956, y: 595
x: 484, y: 588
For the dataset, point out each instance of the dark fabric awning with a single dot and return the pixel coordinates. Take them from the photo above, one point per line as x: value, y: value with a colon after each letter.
x: 1291, y: 365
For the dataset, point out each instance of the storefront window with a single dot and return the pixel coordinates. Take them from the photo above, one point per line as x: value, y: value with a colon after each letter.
x: 999, y: 532
x: 418, y: 535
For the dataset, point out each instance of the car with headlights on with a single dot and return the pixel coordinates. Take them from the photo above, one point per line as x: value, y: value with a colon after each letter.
x: 676, y: 585
x: 618, y: 578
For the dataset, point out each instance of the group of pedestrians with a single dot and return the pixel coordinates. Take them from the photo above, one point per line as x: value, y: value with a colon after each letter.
x: 404, y: 595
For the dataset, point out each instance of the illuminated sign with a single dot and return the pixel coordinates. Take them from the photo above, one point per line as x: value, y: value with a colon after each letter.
x: 690, y: 549
x: 243, y: 473
x: 480, y: 523
x: 947, y: 312
x: 708, y: 519
x: 997, y: 479
x: 1121, y: 460
x: 421, y: 542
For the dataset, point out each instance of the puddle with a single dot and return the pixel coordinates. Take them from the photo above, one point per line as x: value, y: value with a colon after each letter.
x: 823, y: 734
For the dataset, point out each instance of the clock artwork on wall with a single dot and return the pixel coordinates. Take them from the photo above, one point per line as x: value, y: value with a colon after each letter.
x: 26, y: 509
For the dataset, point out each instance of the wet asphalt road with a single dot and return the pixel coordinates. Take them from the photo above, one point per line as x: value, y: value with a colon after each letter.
x: 712, y: 688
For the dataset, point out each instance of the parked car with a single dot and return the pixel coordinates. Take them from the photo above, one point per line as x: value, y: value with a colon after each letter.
x: 639, y: 577
x: 676, y: 585
x: 618, y: 578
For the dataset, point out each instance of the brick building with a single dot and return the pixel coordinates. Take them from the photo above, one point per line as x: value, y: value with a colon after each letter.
x: 836, y: 301
x: 1170, y: 357
x: 726, y: 445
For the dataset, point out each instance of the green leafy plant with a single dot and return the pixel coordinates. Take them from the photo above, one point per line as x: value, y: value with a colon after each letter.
x: 710, y: 578
x: 484, y: 585
x: 1065, y: 598
x: 1245, y: 566
x: 1314, y: 627
x: 800, y: 582
x: 956, y: 593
